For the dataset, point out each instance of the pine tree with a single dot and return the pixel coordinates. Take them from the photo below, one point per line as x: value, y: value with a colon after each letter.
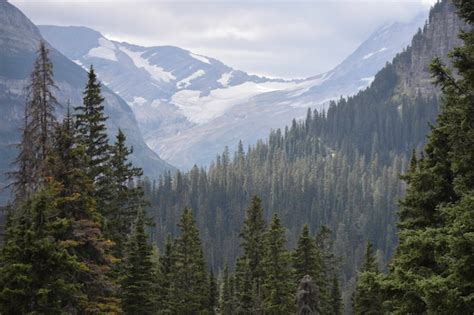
x: 329, y: 268
x: 226, y: 297
x: 278, y: 281
x: 139, y: 282
x: 37, y: 272
x: 432, y: 271
x: 212, y: 297
x: 166, y: 265
x: 188, y: 288
x: 368, y: 297
x: 336, y: 299
x: 91, y: 128
x: 249, y: 267
x: 306, y: 260
x: 127, y: 197
x: 39, y: 122
x: 68, y: 165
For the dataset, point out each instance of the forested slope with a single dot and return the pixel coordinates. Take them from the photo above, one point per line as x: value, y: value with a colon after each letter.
x: 339, y: 168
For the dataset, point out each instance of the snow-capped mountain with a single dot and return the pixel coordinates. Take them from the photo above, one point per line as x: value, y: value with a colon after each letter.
x: 19, y: 40
x: 190, y: 107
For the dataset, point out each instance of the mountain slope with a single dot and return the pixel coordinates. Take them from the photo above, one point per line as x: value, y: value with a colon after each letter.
x: 19, y: 39
x: 190, y: 107
x: 341, y: 169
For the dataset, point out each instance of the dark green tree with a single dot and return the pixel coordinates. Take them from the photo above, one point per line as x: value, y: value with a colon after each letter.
x: 368, y: 293
x: 432, y: 271
x: 139, y: 282
x: 278, y: 283
x: 92, y: 132
x: 306, y: 260
x: 36, y: 268
x: 166, y: 265
x: 188, y: 287
x: 212, y: 294
x: 337, y: 307
x: 226, y: 297
x: 127, y: 196
x: 249, y: 267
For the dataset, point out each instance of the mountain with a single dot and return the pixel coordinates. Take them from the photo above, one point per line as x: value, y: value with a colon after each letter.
x: 190, y: 107
x: 19, y: 39
x: 340, y: 169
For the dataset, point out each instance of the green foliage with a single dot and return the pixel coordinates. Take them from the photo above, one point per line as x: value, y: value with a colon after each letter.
x: 37, y: 271
x: 278, y: 284
x: 139, y: 287
x: 432, y: 271
x: 188, y: 287
x: 306, y: 258
x: 227, y: 305
x: 368, y: 294
x: 336, y: 300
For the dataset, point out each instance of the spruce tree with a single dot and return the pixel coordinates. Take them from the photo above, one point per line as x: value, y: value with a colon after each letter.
x: 166, y: 265
x: 278, y: 283
x: 188, y: 287
x: 38, y: 125
x: 306, y: 260
x: 336, y: 298
x: 368, y: 294
x: 127, y: 197
x: 432, y: 271
x: 37, y: 271
x: 249, y: 267
x: 68, y: 164
x: 139, y: 282
x: 226, y: 296
x: 212, y: 294
x: 92, y: 133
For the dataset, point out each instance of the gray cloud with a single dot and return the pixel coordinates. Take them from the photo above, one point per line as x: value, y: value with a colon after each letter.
x: 275, y: 38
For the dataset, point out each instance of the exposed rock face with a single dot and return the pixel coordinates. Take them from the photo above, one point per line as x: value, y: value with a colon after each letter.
x: 19, y: 40
x: 438, y: 37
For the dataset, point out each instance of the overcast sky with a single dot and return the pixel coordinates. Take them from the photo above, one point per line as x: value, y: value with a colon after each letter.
x: 274, y: 38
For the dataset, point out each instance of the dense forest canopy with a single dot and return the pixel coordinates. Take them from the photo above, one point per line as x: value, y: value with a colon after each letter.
x: 308, y: 221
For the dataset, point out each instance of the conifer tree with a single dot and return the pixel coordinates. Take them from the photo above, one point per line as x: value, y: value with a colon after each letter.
x: 432, y: 271
x: 37, y: 272
x: 336, y: 298
x: 368, y: 297
x: 249, y: 267
x: 278, y: 281
x: 91, y: 128
x: 166, y: 265
x: 78, y: 206
x: 188, y: 287
x: 212, y: 295
x: 38, y: 125
x: 127, y: 197
x: 306, y: 260
x: 139, y: 282
x: 226, y: 297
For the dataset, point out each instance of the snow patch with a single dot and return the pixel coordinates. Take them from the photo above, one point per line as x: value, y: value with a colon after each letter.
x: 138, y: 101
x: 200, y: 58
x: 155, y: 72
x: 225, y: 78
x: 105, y: 50
x: 305, y: 86
x: 184, y: 83
x: 203, y: 109
x: 373, y: 53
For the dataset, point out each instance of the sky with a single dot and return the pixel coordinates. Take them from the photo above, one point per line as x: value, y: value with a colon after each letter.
x: 288, y: 39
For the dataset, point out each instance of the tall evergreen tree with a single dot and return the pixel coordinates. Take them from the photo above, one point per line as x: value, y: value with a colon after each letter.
x: 139, y: 282
x: 368, y: 294
x: 226, y: 297
x: 37, y: 271
x: 39, y: 122
x: 166, y: 265
x: 432, y: 271
x: 249, y: 267
x: 188, y: 288
x: 336, y: 298
x: 278, y: 281
x: 90, y: 124
x: 127, y: 196
x: 212, y: 297
x: 306, y: 259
